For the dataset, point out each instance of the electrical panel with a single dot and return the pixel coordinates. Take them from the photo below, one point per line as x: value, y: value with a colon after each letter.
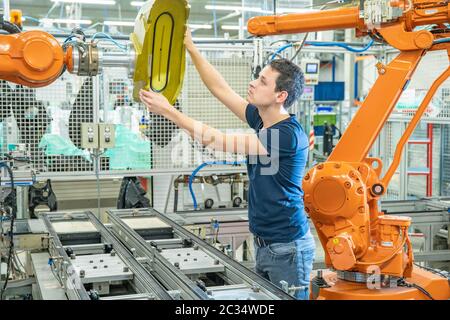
x: 311, y: 70
x: 106, y: 135
x: 97, y: 136
x: 308, y: 93
x: 89, y: 136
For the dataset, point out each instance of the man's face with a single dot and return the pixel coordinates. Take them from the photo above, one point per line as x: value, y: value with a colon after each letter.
x: 261, y: 92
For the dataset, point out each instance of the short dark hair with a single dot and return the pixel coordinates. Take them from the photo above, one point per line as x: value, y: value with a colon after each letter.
x: 291, y: 80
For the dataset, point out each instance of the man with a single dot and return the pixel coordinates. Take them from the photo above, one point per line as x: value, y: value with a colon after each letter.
x: 277, y: 156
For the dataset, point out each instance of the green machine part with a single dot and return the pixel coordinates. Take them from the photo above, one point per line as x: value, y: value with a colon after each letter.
x: 160, y: 61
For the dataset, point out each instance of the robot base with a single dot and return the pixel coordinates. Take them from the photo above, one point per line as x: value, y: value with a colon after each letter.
x: 436, y: 285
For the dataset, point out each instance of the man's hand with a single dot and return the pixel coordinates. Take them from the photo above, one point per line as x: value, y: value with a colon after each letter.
x: 155, y: 102
x: 188, y: 43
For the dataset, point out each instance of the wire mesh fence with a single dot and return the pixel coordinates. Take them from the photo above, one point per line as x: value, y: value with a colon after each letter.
x: 48, y: 120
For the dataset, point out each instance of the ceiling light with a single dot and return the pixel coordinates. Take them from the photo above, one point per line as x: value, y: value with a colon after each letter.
x: 103, y: 2
x: 66, y: 21
x: 137, y: 3
x: 131, y: 24
x: 200, y: 26
x: 206, y: 39
x: 256, y: 9
x: 230, y: 27
x: 235, y: 8
x: 119, y: 23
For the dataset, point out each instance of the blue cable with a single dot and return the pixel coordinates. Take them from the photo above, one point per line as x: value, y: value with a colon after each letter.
x: 19, y: 183
x: 281, y: 49
x: 109, y: 38
x: 341, y: 45
x: 70, y: 38
x: 327, y: 44
x: 71, y: 41
x: 32, y: 19
x: 441, y: 40
x: 200, y: 167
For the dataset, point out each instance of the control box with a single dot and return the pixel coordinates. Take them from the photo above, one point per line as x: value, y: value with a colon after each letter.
x: 89, y: 136
x: 308, y: 93
x: 98, y: 136
x: 106, y: 135
x: 311, y: 70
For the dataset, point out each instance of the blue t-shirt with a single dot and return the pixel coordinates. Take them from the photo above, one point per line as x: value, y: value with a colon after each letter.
x: 275, y: 204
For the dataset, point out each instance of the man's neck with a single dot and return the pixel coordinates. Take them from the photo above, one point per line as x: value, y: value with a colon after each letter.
x: 272, y: 115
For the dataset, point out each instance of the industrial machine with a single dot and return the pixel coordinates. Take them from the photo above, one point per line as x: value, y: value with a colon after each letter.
x: 89, y: 263
x: 145, y: 255
x: 140, y: 255
x: 161, y: 244
x: 238, y: 183
x: 36, y: 59
x: 342, y: 194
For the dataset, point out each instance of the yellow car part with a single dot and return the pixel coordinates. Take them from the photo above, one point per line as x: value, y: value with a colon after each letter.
x: 158, y: 39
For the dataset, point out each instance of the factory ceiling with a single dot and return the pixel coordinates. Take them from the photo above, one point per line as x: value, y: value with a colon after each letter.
x: 202, y: 17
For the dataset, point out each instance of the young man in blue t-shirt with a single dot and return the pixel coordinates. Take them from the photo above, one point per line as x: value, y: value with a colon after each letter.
x: 277, y: 155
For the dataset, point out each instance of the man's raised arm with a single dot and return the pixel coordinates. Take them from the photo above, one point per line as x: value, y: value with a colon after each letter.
x: 214, y: 80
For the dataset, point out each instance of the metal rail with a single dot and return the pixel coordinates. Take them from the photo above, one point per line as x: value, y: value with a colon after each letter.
x: 143, y: 281
x: 234, y: 270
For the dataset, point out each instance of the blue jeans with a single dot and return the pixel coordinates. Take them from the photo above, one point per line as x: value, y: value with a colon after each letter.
x: 291, y: 262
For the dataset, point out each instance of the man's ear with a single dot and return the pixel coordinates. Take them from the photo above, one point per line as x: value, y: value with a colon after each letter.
x: 282, y: 96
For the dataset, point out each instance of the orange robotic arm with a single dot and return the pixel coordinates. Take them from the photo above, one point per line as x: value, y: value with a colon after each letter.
x: 36, y: 59
x: 32, y: 58
x: 342, y: 194
x: 395, y: 21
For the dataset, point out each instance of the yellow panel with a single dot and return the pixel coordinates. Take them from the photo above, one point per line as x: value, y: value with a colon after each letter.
x: 161, y: 52
x: 161, y: 61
